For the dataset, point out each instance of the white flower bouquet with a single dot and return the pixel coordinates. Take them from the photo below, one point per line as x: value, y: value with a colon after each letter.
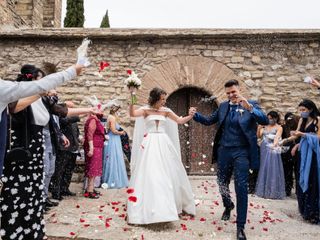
x: 132, y: 82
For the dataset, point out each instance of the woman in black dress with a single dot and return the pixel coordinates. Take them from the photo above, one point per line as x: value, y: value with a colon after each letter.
x: 22, y: 197
x: 308, y: 200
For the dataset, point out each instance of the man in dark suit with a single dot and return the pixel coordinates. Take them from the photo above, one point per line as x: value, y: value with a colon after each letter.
x: 235, y: 147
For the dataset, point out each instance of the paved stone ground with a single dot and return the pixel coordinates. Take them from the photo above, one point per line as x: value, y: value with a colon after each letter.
x: 104, y: 218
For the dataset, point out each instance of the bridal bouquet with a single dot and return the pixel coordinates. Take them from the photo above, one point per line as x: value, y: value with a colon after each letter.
x: 133, y: 82
x: 82, y: 53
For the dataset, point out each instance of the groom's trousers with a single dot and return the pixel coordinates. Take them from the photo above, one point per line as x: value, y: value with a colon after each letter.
x: 236, y: 160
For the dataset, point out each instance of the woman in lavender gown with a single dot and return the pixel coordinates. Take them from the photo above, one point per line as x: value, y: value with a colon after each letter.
x: 271, y: 183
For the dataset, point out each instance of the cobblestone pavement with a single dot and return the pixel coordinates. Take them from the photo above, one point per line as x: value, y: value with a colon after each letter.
x: 104, y: 218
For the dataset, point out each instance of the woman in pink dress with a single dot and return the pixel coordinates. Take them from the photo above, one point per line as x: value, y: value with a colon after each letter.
x: 93, y: 148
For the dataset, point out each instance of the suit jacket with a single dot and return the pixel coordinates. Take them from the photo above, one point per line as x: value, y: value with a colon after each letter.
x: 69, y: 127
x: 248, y: 123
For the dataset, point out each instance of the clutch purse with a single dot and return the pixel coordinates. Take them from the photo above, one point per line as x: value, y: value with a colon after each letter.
x: 18, y: 154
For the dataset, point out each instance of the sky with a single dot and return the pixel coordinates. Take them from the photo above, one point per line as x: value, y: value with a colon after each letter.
x: 203, y: 13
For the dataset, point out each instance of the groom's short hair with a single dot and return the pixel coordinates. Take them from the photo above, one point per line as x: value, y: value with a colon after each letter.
x: 230, y: 83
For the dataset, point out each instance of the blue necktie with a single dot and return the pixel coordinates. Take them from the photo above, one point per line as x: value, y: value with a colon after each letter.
x: 233, y: 109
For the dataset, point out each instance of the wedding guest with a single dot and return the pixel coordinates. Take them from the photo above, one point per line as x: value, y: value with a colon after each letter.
x: 23, y: 178
x: 93, y: 147
x: 125, y: 142
x: 271, y: 182
x: 12, y: 91
x: 290, y: 124
x: 308, y: 170
x: 114, y: 169
x: 315, y: 82
x: 66, y: 157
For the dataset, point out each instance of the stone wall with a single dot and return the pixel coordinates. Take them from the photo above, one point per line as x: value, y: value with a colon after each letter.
x: 52, y: 13
x: 30, y: 13
x: 271, y: 64
x: 9, y: 19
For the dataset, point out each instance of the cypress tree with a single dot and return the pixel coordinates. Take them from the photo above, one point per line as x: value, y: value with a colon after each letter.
x: 105, y: 21
x: 75, y: 14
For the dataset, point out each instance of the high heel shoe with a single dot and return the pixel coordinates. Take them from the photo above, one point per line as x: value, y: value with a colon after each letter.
x: 92, y: 195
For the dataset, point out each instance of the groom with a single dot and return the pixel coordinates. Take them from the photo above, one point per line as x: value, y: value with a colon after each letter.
x: 235, y: 147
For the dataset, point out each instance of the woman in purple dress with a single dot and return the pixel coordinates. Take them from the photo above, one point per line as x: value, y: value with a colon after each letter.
x: 271, y: 183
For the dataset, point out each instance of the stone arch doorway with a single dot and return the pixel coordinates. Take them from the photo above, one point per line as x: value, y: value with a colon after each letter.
x: 187, y: 79
x: 195, y: 139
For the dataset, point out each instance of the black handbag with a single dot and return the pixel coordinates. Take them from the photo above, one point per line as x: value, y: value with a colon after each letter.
x: 18, y: 154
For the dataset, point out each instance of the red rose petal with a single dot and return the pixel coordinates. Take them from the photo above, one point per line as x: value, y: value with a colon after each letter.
x: 72, y: 233
x: 219, y: 228
x: 202, y: 219
x: 132, y: 199
x: 103, y: 65
x: 86, y: 225
x: 130, y: 190
x: 265, y: 229
x: 82, y: 220
x: 129, y: 71
x: 183, y: 226
x: 107, y: 224
x: 78, y: 206
x: 115, y: 203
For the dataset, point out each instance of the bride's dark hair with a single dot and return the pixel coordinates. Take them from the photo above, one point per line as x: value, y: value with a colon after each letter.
x: 155, y: 95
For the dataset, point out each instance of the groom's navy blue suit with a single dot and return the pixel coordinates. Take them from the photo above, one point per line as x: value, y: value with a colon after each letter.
x: 235, y: 148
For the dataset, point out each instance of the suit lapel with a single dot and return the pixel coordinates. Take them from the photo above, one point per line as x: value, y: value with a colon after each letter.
x: 224, y: 111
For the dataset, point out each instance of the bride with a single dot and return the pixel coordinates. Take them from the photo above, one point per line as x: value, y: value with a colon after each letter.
x: 158, y: 178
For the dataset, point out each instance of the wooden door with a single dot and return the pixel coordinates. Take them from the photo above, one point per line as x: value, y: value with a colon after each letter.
x: 195, y: 139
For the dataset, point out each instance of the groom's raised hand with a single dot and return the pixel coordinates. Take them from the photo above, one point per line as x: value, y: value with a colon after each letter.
x: 244, y: 102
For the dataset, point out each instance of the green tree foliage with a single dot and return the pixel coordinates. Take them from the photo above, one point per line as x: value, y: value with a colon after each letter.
x: 105, y: 21
x: 75, y: 14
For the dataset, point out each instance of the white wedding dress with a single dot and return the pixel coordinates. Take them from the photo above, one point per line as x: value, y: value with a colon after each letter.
x: 158, y: 177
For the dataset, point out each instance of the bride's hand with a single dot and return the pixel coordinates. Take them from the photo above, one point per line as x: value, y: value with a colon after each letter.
x: 132, y: 90
x: 192, y: 111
